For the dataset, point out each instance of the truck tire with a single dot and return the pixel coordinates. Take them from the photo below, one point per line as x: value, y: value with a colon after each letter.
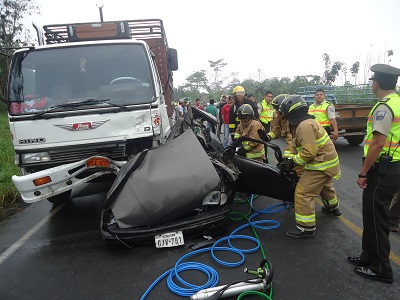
x: 355, y: 140
x: 58, y: 199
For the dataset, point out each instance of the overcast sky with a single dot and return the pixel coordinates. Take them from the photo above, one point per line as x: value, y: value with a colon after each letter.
x: 281, y: 38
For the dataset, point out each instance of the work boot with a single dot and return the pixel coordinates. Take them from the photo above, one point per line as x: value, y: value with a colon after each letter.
x: 298, y: 233
x: 334, y: 211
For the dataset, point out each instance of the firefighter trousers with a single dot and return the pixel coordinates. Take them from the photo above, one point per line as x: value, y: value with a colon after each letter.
x: 310, y: 185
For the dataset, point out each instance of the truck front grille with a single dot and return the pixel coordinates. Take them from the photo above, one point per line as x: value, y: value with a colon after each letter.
x: 116, y: 151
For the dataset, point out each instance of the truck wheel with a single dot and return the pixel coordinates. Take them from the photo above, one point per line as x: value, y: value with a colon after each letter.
x: 58, y: 199
x: 355, y: 140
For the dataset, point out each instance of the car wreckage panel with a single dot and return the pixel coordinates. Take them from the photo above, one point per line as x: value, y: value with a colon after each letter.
x: 172, y: 179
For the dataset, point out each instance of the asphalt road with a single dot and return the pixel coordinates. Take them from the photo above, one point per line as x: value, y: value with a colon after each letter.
x: 51, y: 252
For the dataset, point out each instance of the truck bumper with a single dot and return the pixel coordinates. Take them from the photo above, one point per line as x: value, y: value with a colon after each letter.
x: 62, y: 178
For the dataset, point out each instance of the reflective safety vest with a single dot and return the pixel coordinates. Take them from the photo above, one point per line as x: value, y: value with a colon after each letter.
x: 319, y: 111
x: 267, y: 113
x: 393, y: 138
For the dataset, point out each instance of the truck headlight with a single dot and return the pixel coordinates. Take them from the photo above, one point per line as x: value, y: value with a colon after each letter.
x: 29, y: 158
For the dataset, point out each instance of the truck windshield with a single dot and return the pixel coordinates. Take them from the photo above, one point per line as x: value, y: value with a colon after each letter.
x: 118, y: 73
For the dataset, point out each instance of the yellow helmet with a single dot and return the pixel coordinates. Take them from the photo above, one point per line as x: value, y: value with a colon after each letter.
x: 238, y: 90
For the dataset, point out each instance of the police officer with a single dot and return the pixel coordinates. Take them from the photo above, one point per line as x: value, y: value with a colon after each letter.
x: 379, y: 176
x: 267, y: 111
x: 314, y: 150
x: 238, y: 93
x: 324, y: 113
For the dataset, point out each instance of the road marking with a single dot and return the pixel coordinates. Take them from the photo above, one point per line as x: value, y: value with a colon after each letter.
x: 395, y: 258
x: 14, y: 247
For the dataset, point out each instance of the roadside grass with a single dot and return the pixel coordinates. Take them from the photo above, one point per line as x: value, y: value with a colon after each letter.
x: 10, y: 201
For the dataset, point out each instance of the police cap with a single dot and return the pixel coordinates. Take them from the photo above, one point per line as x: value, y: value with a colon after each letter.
x: 384, y: 72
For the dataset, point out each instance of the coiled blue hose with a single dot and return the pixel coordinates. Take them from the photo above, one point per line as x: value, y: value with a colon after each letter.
x: 212, y: 275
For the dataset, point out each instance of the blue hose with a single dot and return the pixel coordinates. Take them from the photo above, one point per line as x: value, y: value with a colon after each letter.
x: 212, y: 275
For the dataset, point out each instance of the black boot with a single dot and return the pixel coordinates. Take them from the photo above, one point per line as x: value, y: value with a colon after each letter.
x: 334, y: 211
x: 300, y: 233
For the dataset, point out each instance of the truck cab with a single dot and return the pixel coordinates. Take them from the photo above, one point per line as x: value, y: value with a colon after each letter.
x: 91, y: 89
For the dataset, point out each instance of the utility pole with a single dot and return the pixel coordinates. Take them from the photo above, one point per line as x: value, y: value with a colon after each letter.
x: 100, y: 6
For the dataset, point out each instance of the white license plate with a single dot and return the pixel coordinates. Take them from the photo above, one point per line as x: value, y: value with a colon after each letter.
x: 170, y: 239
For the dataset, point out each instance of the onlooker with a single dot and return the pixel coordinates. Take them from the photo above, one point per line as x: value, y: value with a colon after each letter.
x: 267, y: 111
x: 179, y: 109
x: 199, y: 105
x: 212, y: 109
x: 394, y: 212
x: 324, y: 113
x: 225, y: 120
x: 238, y: 93
x: 313, y: 149
x: 379, y: 176
x: 249, y: 127
x: 251, y: 97
x: 221, y: 104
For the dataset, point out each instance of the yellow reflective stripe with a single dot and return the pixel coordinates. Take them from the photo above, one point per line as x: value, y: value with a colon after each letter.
x: 324, y: 165
x: 298, y: 160
x: 246, y: 146
x: 332, y: 202
x: 337, y: 176
x: 255, y: 155
x: 272, y: 135
x: 237, y: 135
x: 232, y: 125
x: 322, y: 140
x: 295, y: 106
x: 305, y: 219
x: 288, y: 154
x: 237, y: 119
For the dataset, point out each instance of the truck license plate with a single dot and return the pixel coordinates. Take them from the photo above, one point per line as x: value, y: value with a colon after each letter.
x: 170, y: 239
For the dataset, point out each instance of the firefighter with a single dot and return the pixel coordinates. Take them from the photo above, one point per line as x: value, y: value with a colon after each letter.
x: 324, y: 113
x: 249, y: 127
x: 267, y: 111
x: 379, y: 176
x: 238, y: 93
x: 313, y: 149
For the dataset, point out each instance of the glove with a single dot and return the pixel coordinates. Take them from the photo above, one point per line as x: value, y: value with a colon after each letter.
x: 263, y: 135
x: 241, y: 152
x: 286, y: 165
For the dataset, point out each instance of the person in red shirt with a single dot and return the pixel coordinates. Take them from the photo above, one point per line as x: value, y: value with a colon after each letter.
x: 225, y: 119
x: 199, y: 105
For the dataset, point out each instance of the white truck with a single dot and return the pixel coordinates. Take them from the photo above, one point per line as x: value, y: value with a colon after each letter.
x: 89, y: 95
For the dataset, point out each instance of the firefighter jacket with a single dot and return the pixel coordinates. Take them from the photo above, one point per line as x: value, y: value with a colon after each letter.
x: 280, y: 127
x: 249, y: 129
x: 320, y: 112
x: 313, y: 149
x: 267, y: 112
x: 233, y: 120
x: 393, y: 138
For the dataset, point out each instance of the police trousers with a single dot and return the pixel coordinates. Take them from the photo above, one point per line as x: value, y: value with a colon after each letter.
x: 376, y: 200
x: 310, y: 185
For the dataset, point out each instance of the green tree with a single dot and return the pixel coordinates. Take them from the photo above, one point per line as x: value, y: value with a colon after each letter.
x: 331, y: 70
x: 12, y: 33
x: 354, y: 71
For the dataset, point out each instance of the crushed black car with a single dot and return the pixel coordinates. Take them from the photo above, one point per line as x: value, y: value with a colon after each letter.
x: 186, y: 187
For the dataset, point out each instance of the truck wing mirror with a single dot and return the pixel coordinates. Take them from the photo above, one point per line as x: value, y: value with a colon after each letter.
x: 173, y: 59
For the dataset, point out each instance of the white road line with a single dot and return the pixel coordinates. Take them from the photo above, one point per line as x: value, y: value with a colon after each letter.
x: 14, y: 247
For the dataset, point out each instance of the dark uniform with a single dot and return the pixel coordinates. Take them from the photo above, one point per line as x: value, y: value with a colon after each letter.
x: 379, y: 176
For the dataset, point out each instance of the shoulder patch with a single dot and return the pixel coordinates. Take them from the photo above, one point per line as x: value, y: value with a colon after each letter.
x: 331, y: 109
x: 380, y: 115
